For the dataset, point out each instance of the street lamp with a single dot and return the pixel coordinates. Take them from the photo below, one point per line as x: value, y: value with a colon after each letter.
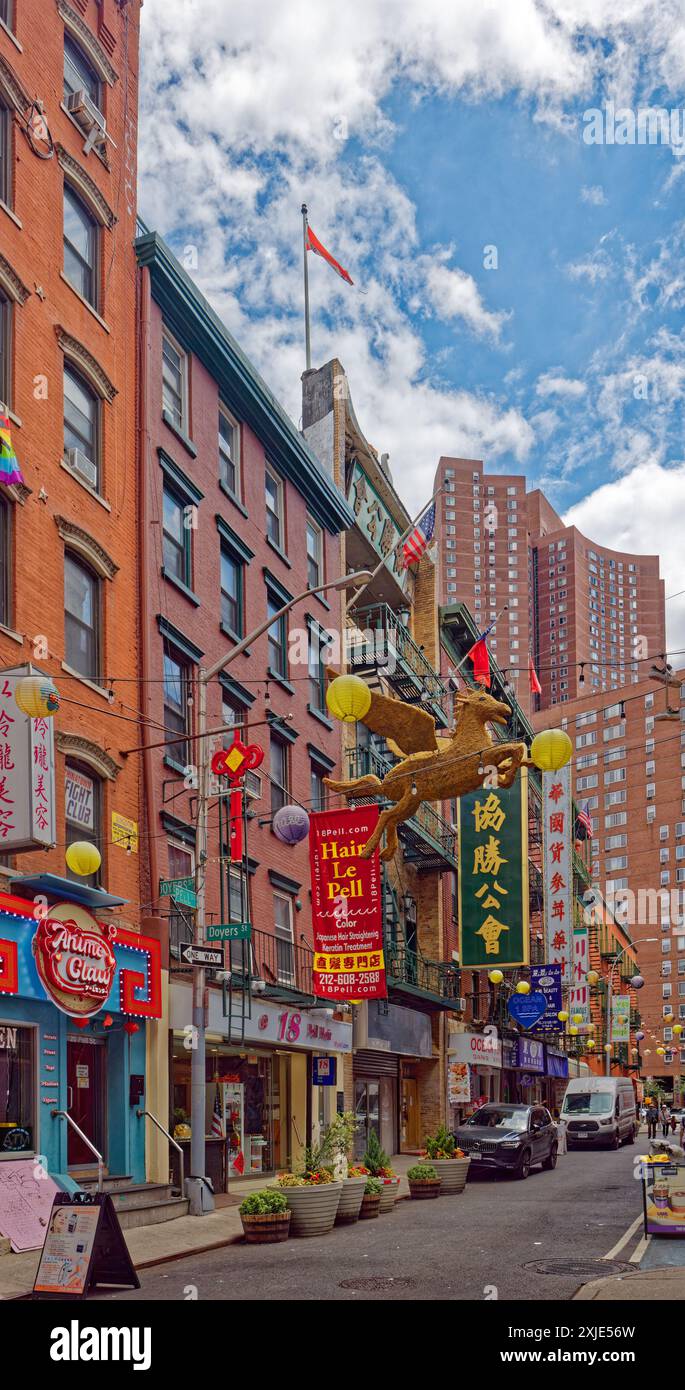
x: 197, y: 1064
x: 640, y: 942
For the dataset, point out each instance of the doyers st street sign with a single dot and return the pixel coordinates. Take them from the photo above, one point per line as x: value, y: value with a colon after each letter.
x: 493, y: 876
x: 182, y: 890
x: 228, y: 931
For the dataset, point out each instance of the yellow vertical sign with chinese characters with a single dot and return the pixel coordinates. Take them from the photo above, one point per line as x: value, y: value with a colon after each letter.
x: 493, y: 876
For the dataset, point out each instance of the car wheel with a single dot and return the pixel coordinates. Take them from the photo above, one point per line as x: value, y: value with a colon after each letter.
x: 631, y: 1135
x: 522, y: 1168
x: 615, y: 1141
x: 551, y: 1159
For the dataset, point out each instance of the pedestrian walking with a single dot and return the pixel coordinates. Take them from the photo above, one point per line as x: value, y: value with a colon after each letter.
x: 673, y: 1124
x: 682, y: 1130
x: 665, y: 1120
x: 652, y: 1121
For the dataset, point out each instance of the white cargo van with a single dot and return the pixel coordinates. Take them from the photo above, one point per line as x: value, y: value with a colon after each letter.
x: 599, y: 1110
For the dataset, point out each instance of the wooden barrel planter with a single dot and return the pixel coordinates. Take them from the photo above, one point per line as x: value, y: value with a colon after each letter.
x: 371, y: 1205
x: 314, y: 1208
x: 267, y: 1227
x: 350, y: 1200
x: 452, y: 1173
x: 422, y: 1188
x: 391, y: 1187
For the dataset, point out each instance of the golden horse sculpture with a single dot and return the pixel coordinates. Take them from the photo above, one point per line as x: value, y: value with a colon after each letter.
x: 432, y: 769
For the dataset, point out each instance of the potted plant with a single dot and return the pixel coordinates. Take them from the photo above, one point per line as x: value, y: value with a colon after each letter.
x: 371, y: 1199
x: 313, y: 1197
x: 378, y: 1164
x: 265, y: 1217
x: 334, y: 1150
x: 451, y: 1163
x: 423, y: 1181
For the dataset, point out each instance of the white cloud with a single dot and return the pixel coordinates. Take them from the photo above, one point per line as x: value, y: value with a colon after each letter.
x: 455, y: 295
x: 556, y: 384
x: 593, y: 194
x: 642, y: 512
x: 595, y: 267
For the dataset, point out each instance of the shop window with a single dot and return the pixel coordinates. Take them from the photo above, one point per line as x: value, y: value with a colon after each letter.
x: 176, y: 717
x: 82, y: 812
x: 229, y: 452
x: 79, y: 76
x: 279, y: 773
x: 285, y: 946
x: 17, y: 1088
x: 5, y: 562
x: 80, y: 248
x: 82, y: 617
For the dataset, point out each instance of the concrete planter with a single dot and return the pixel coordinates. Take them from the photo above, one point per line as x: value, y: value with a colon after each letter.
x: 266, y: 1228
x: 371, y: 1206
x: 391, y: 1187
x: 452, y: 1173
x: 350, y: 1200
x: 423, y: 1188
x: 314, y: 1208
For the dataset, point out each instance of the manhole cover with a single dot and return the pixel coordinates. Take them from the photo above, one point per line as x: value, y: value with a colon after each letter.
x: 580, y: 1269
x: 379, y: 1281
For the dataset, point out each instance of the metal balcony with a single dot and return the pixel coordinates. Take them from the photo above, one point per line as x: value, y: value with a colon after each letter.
x: 384, y: 644
x: 428, y: 841
x: 285, y: 967
x: 411, y: 974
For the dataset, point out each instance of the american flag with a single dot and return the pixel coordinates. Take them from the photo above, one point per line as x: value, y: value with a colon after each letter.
x: 217, y: 1115
x: 417, y: 543
x: 584, y: 823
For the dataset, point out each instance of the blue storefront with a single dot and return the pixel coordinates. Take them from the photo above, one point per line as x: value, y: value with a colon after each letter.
x: 75, y: 994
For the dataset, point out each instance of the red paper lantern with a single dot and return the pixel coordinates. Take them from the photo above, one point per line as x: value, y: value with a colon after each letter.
x: 131, y: 1027
x: 80, y: 1022
x: 107, y: 1021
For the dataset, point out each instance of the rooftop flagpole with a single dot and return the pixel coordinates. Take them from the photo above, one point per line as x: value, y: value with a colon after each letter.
x: 307, y: 332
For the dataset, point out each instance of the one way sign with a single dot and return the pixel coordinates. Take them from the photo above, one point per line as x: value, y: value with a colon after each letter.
x: 212, y: 956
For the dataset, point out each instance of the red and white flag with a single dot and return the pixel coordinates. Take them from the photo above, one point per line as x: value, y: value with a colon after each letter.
x: 535, y: 687
x: 313, y: 244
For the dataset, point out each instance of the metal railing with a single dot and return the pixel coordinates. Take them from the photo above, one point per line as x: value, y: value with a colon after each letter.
x: 64, y: 1115
x: 149, y: 1115
x: 411, y: 968
x: 398, y: 643
x: 362, y: 761
x: 280, y: 963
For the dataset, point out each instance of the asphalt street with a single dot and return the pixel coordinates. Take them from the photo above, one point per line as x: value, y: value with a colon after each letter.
x: 493, y: 1241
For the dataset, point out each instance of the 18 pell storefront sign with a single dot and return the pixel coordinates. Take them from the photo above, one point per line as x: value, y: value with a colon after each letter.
x: 493, y: 876
x: 347, y: 906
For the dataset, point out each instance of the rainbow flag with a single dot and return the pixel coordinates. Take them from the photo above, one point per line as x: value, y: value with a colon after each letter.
x: 10, y: 472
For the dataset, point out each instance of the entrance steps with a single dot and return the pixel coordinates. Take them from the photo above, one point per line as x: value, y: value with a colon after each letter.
x: 141, y: 1203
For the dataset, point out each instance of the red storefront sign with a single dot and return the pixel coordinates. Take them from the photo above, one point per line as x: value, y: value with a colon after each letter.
x: 75, y: 959
x: 347, y: 906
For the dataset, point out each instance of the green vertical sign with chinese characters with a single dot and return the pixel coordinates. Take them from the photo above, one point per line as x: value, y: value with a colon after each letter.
x: 493, y: 876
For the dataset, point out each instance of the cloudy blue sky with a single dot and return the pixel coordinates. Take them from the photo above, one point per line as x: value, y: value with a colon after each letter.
x: 422, y: 135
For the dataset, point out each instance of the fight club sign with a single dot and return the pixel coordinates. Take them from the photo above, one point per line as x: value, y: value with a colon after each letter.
x: 347, y: 906
x: 75, y: 959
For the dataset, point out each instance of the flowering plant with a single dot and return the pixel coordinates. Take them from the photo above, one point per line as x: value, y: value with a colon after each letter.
x: 357, y: 1170
x: 309, y: 1178
x: 441, y: 1144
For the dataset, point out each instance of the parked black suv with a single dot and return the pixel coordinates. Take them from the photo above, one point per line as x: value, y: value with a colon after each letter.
x: 509, y: 1137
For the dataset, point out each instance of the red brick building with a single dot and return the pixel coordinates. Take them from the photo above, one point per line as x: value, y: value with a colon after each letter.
x: 585, y: 613
x: 237, y: 517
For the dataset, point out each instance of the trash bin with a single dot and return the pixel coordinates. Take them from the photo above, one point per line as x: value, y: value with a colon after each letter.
x: 201, y: 1195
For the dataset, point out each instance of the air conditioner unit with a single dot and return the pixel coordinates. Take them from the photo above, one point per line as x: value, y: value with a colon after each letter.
x: 81, y: 464
x: 90, y: 119
x: 253, y: 786
x: 460, y: 1004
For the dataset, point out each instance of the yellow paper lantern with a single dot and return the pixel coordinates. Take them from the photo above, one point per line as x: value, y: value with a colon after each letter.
x: 523, y: 987
x: 607, y: 1047
x: 577, y: 1018
x: 37, y: 696
x: 573, y: 1031
x: 495, y: 977
x: 677, y: 1029
x: 551, y: 750
x: 83, y: 858
x: 668, y: 1018
x: 562, y: 1016
x: 592, y: 977
x: 348, y: 698
x: 590, y: 1043
x: 590, y: 1027
x: 661, y: 1052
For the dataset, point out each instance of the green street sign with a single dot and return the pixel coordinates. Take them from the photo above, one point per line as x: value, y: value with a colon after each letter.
x: 182, y: 890
x: 229, y: 931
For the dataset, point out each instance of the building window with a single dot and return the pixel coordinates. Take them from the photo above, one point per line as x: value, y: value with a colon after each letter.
x: 82, y: 813
x: 278, y: 769
x: 174, y: 381
x: 314, y: 555
x: 275, y: 528
x: 180, y: 864
x: 277, y: 638
x: 231, y: 593
x: 81, y: 427
x: 319, y: 793
x: 229, y: 452
x: 5, y: 562
x: 233, y: 716
x: 18, y: 1068
x: 80, y: 247
x: 176, y: 719
x: 5, y: 155
x: 5, y: 350
x: 79, y: 76
x: 82, y: 617
x: 177, y: 538
x: 317, y: 645
x: 285, y: 946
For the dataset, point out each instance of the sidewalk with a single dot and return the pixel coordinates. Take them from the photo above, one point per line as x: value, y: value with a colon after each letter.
x: 168, y: 1240
x: 644, y: 1286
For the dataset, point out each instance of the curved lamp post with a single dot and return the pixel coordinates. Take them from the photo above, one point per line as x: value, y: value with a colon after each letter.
x: 640, y: 942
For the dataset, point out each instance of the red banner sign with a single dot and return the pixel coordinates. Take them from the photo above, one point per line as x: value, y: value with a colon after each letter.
x: 347, y: 906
